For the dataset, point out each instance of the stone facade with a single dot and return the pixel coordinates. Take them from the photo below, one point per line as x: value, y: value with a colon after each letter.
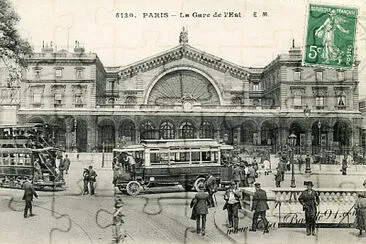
x: 186, y: 93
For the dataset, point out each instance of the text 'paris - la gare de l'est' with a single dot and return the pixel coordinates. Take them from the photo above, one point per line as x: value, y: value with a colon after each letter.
x: 156, y: 15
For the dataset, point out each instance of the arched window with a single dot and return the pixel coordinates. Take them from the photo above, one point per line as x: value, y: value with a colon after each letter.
x: 167, y: 130
x: 147, y: 130
x: 127, y: 131
x: 206, y: 130
x: 187, y: 130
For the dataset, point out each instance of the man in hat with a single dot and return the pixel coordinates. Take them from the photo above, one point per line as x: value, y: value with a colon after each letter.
x: 211, y: 188
x: 309, y: 200
x: 200, y: 206
x: 86, y: 181
x: 259, y: 207
x: 232, y: 198
x: 118, y: 231
x: 29, y: 192
x: 92, y: 179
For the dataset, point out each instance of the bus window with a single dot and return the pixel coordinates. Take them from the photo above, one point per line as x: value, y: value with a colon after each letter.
x: 21, y: 159
x: 185, y: 156
x: 27, y: 160
x: 195, y: 156
x: 154, y: 158
x: 6, y: 159
x: 12, y: 159
x: 159, y: 158
x: 206, y: 157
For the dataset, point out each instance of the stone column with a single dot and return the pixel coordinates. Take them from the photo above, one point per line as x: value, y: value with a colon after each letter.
x: 92, y: 133
x: 308, y: 142
x: 69, y: 123
x: 330, y: 138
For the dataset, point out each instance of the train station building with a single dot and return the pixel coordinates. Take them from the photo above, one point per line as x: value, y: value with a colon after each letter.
x: 185, y: 92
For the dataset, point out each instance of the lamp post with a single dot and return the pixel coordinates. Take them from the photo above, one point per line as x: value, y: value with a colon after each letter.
x: 307, y: 112
x: 320, y: 142
x: 292, y: 142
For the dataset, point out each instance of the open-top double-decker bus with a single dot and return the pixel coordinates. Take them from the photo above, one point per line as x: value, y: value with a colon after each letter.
x: 166, y: 162
x: 24, y: 154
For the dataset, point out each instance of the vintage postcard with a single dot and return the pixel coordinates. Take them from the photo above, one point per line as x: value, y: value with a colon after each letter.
x: 207, y: 121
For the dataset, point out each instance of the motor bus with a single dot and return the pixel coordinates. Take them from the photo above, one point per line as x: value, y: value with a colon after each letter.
x: 166, y: 162
x: 25, y: 155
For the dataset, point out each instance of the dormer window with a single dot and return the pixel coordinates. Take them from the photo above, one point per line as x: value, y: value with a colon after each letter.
x: 340, y: 75
x: 297, y: 75
x: 79, y: 73
x: 58, y: 72
x: 319, y: 75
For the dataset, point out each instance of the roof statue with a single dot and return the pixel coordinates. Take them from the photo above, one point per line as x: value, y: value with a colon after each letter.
x: 183, y: 37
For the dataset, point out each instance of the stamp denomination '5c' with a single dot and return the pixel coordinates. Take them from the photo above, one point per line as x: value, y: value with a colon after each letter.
x: 330, y: 36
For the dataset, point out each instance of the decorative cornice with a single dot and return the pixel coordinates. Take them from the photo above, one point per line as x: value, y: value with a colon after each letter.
x: 185, y: 51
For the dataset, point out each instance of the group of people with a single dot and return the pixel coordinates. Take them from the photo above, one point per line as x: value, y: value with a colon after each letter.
x: 89, y: 179
x: 204, y: 200
x: 124, y: 163
x: 244, y: 173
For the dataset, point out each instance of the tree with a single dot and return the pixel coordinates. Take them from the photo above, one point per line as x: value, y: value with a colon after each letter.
x: 12, y: 47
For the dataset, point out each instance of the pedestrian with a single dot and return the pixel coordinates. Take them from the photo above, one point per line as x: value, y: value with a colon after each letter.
x: 199, y: 205
x: 360, y: 207
x: 282, y: 167
x: 114, y: 162
x: 278, y: 177
x: 309, y: 200
x: 211, y: 187
x: 232, y: 204
x: 118, y: 231
x: 62, y: 168
x: 251, y: 175
x: 67, y: 163
x: 259, y: 206
x: 236, y: 173
x: 344, y: 166
x: 86, y: 181
x: 29, y: 192
x: 255, y: 164
x: 92, y: 179
x: 267, y: 166
x: 242, y: 175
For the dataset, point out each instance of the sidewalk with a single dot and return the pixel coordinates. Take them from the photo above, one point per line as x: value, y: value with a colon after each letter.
x: 284, y: 235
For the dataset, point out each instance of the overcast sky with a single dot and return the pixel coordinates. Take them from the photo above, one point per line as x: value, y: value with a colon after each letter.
x: 245, y: 40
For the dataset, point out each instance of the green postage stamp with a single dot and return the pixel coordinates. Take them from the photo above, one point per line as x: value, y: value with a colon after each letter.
x: 330, y: 36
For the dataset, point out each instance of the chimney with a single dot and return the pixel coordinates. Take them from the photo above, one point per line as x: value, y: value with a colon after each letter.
x: 47, y: 49
x: 78, y: 49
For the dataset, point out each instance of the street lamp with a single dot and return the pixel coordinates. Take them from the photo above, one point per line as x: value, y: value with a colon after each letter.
x: 292, y: 142
x: 307, y: 112
x: 320, y: 142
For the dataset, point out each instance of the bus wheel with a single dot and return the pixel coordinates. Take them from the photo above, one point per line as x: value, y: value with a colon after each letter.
x: 133, y: 188
x: 199, y: 181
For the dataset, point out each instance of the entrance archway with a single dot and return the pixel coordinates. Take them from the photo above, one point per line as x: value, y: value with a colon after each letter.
x: 82, y: 135
x: 106, y: 134
x: 342, y: 133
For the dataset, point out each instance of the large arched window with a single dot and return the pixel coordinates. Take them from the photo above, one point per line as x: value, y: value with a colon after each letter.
x: 206, y: 130
x: 127, y: 131
x: 187, y: 130
x: 167, y: 130
x: 147, y: 130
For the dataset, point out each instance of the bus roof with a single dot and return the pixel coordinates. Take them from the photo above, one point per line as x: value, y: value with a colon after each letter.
x: 129, y: 148
x: 28, y: 125
x: 181, y: 143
